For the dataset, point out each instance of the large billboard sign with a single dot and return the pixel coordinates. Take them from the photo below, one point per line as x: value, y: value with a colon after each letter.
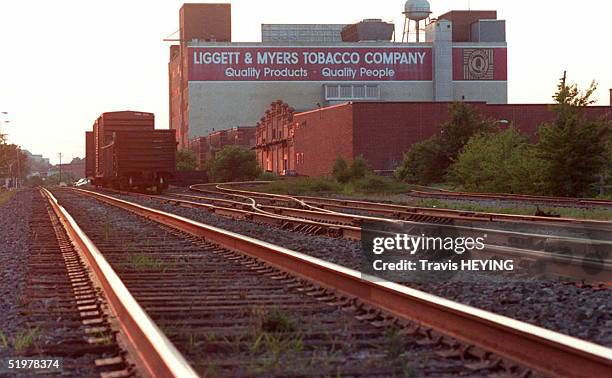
x: 220, y: 63
x: 480, y: 64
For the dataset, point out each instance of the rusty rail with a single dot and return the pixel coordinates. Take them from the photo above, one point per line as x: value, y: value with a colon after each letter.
x: 155, y: 353
x: 395, y: 210
x: 546, y: 351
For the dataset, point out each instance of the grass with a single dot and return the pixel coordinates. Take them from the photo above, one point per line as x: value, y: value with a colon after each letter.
x: 275, y: 338
x: 323, y: 185
x: 376, y: 188
x: 5, y: 196
x: 21, y: 341
x: 568, y: 212
x: 142, y: 261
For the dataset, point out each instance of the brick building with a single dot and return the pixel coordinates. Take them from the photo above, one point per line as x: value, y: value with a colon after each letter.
x: 205, y: 147
x: 310, y: 142
x: 216, y: 83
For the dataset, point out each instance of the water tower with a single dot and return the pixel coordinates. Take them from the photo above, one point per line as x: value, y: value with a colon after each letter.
x: 415, y: 10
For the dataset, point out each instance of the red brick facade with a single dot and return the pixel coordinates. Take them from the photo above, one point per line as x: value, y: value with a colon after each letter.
x: 274, y: 138
x: 382, y: 132
x: 204, y: 22
x: 462, y: 22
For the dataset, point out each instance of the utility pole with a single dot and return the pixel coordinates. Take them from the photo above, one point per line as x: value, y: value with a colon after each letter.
x: 564, y: 77
x: 60, y: 170
x: 18, y: 175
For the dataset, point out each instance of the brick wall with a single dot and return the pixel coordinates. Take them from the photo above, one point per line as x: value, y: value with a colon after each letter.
x: 321, y: 136
x: 384, y: 131
x: 527, y: 117
x: 206, y: 22
x: 462, y: 21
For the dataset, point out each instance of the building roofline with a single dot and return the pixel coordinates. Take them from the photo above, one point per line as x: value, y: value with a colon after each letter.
x: 324, y: 108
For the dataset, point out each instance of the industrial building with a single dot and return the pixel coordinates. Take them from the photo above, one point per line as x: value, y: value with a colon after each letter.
x: 301, y: 32
x: 216, y: 83
x: 206, y: 147
x: 308, y: 143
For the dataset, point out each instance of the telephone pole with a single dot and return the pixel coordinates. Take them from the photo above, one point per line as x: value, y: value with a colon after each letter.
x: 60, y: 170
x: 18, y: 175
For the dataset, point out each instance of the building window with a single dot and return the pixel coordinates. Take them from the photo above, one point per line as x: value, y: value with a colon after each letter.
x: 344, y: 92
x: 299, y: 157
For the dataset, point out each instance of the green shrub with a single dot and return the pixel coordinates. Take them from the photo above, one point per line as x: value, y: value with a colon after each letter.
x: 501, y: 162
x: 185, y: 160
x: 268, y: 176
x: 341, y: 171
x: 423, y: 164
x: 427, y: 162
x: 344, y: 173
x: 302, y: 186
x: 378, y: 184
x: 359, y: 168
x: 234, y: 163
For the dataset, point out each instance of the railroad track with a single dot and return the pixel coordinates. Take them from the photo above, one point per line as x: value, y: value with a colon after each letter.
x: 191, y: 292
x: 575, y: 256
x: 402, y: 212
x: 65, y: 315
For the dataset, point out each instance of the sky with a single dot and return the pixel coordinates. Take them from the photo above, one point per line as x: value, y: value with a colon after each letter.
x: 62, y: 63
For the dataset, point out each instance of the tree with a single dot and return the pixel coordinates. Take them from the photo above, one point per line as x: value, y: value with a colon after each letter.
x: 607, y: 174
x: 67, y: 178
x: 423, y: 163
x: 234, y: 163
x: 185, y: 160
x: 13, y: 161
x: 573, y: 147
x: 501, y: 162
x: 464, y: 123
x: 427, y: 161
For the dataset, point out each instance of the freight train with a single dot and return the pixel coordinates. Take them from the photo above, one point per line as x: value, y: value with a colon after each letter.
x: 124, y: 151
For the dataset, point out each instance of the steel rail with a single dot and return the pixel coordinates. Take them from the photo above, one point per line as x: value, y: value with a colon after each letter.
x: 454, y: 227
x: 543, y: 350
x: 348, y: 231
x: 456, y: 214
x: 319, y: 202
x: 568, y: 266
x: 155, y: 352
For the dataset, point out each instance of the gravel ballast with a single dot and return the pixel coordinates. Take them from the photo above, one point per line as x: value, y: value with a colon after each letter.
x: 221, y: 293
x: 581, y: 312
x: 14, y: 219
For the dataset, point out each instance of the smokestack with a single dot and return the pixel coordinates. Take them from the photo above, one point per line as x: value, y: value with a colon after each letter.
x: 610, y: 96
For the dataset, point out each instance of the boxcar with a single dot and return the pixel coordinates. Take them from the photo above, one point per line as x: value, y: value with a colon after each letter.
x: 128, y: 153
x: 90, y: 155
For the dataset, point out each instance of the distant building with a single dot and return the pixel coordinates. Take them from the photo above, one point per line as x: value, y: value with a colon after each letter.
x: 39, y: 165
x: 76, y: 168
x: 206, y: 147
x: 301, y: 32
